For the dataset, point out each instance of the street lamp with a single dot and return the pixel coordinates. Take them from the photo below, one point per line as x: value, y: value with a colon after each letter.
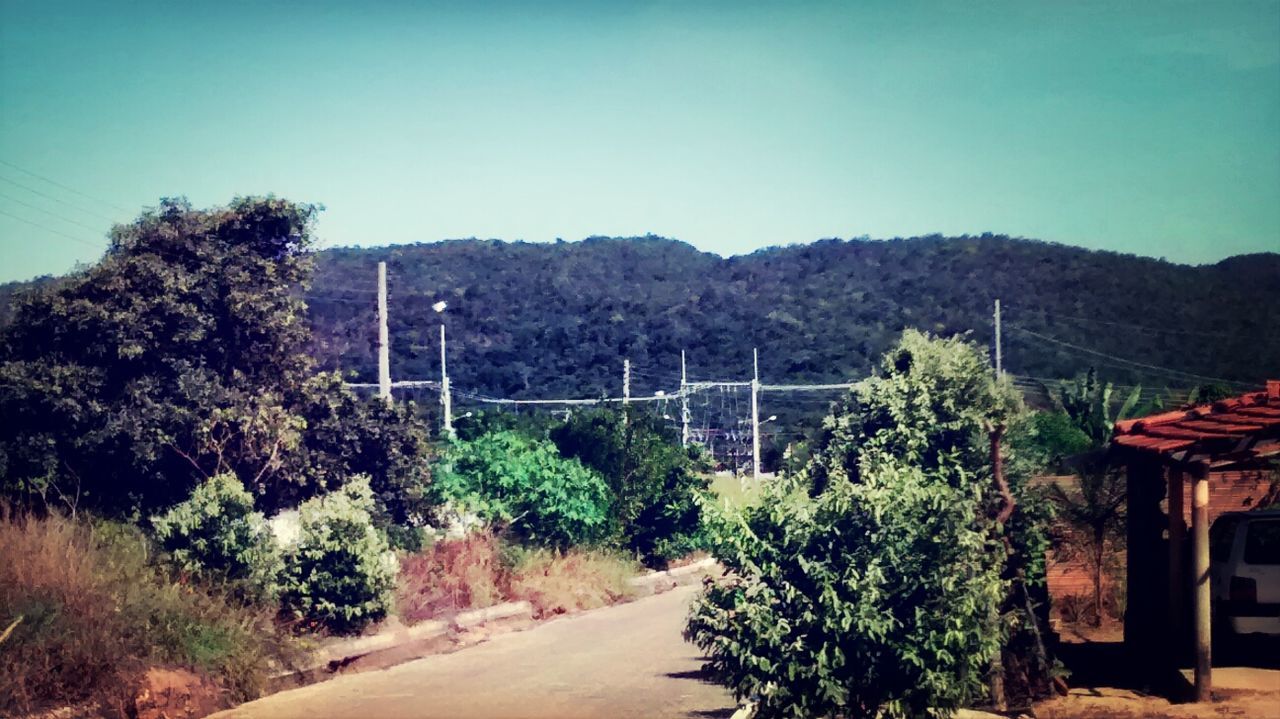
x: 445, y: 398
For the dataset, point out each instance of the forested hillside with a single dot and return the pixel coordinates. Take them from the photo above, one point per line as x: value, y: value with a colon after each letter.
x: 535, y: 320
x: 552, y: 320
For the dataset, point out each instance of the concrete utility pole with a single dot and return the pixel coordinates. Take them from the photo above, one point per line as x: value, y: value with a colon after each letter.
x: 626, y: 381
x: 1200, y: 573
x: 445, y: 398
x: 684, y: 404
x: 755, y: 417
x: 999, y: 359
x: 384, y: 337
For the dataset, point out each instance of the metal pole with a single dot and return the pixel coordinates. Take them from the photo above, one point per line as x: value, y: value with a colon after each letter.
x: 384, y: 337
x: 445, y: 398
x: 999, y: 358
x: 684, y: 404
x: 755, y: 416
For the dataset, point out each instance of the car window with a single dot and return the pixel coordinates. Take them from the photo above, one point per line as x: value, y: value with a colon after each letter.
x: 1221, y: 536
x: 1262, y: 542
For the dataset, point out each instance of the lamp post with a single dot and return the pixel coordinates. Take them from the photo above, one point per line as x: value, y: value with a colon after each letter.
x: 445, y: 398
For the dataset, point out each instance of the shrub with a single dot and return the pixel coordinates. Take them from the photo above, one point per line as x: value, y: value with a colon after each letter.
x: 450, y: 575
x: 871, y: 584
x: 525, y: 485
x: 216, y: 534
x: 341, y: 574
x: 95, y: 613
x: 556, y: 582
x: 651, y: 478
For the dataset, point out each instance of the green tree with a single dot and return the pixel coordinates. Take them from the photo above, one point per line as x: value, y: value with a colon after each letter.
x: 872, y: 584
x: 653, y: 481
x: 182, y: 355
x: 125, y: 384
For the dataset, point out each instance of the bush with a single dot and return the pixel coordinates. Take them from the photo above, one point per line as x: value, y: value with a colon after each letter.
x: 525, y: 485
x: 652, y: 479
x: 871, y: 584
x: 341, y: 574
x: 95, y: 613
x: 216, y: 534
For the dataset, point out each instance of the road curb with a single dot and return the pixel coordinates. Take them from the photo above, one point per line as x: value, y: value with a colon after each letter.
x: 402, y: 644
x: 658, y: 582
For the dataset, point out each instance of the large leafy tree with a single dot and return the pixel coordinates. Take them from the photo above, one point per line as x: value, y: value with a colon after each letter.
x: 166, y: 361
x: 874, y: 584
x: 181, y: 355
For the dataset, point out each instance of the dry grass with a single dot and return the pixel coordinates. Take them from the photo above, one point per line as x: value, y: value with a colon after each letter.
x: 449, y: 576
x: 478, y: 571
x: 559, y: 583
x: 95, y: 613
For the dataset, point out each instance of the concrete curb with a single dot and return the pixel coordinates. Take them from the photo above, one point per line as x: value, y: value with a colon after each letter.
x: 658, y: 582
x: 398, y: 645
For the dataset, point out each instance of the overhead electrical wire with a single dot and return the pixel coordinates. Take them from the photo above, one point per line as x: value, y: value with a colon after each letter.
x: 55, y: 183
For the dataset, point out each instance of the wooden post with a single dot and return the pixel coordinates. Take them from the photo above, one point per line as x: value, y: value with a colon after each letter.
x: 1145, y: 614
x: 1177, y: 565
x: 1200, y: 571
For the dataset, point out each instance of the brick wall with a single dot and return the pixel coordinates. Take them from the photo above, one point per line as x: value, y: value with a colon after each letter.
x: 1228, y: 492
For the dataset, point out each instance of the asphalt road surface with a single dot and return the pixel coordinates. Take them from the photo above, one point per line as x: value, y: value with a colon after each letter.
x: 627, y: 661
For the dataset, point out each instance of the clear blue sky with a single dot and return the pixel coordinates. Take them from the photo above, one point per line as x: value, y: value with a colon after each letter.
x: 1151, y: 128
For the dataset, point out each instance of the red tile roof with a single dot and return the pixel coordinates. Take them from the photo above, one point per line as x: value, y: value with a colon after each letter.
x: 1222, y: 433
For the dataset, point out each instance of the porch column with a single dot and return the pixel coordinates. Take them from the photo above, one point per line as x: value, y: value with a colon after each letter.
x: 1145, y: 630
x: 1177, y: 566
x: 1200, y: 571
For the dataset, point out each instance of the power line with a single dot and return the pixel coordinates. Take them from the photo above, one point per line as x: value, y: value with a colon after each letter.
x: 55, y: 183
x: 50, y: 229
x: 1143, y: 365
x: 51, y: 214
x: 1162, y: 330
x: 58, y: 200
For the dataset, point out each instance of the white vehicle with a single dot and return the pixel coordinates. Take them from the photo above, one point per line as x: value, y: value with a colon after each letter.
x: 1244, y: 571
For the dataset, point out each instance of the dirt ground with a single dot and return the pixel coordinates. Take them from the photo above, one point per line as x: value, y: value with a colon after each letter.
x: 1104, y: 685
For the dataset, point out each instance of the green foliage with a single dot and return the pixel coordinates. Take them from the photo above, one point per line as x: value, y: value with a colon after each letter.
x: 652, y: 480
x: 1089, y: 404
x: 124, y: 384
x: 1058, y: 437
x: 216, y: 534
x: 526, y: 485
x: 873, y: 583
x: 347, y: 436
x: 341, y: 574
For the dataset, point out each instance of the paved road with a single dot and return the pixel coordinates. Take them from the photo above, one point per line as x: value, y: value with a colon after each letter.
x: 627, y: 662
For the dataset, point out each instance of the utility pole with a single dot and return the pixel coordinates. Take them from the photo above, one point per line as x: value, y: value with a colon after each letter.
x: 626, y: 388
x: 755, y: 417
x: 445, y: 399
x: 684, y: 404
x: 384, y: 337
x: 999, y: 359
